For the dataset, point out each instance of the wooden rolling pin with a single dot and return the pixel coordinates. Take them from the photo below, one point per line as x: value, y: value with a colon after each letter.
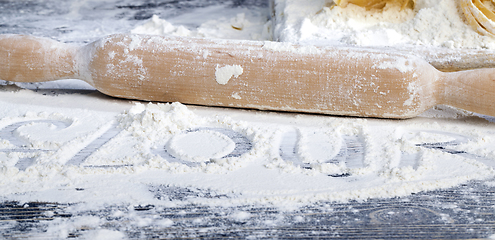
x: 450, y: 59
x: 247, y: 74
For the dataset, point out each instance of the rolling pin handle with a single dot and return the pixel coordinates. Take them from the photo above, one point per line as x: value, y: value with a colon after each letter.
x: 472, y: 90
x: 35, y: 59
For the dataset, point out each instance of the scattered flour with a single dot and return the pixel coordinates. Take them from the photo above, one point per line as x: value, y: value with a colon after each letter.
x: 240, y: 216
x: 104, y: 234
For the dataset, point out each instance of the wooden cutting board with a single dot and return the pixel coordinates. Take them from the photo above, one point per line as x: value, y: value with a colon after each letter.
x: 246, y: 74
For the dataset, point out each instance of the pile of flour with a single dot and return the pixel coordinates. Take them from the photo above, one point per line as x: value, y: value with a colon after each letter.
x: 319, y: 22
x: 438, y: 23
x: 244, y: 25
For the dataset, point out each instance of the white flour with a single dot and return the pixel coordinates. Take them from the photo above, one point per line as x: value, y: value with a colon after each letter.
x: 438, y: 23
x: 225, y: 73
x: 318, y: 22
x: 283, y: 159
x: 200, y: 146
x: 254, y: 158
x: 245, y: 25
x: 99, y: 152
x: 432, y: 23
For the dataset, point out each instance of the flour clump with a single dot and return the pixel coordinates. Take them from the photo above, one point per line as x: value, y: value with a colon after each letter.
x: 224, y: 74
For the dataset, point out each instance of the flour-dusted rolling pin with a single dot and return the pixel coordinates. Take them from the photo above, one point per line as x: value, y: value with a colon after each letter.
x: 247, y: 74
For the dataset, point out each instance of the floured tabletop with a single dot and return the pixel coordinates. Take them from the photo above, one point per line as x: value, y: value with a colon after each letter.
x: 75, y: 163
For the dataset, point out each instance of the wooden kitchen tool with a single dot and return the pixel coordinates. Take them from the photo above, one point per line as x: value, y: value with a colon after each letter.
x: 247, y: 74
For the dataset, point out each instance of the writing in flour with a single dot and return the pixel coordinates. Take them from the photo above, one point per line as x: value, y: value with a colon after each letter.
x: 200, y: 146
x: 264, y: 159
x: 253, y: 158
